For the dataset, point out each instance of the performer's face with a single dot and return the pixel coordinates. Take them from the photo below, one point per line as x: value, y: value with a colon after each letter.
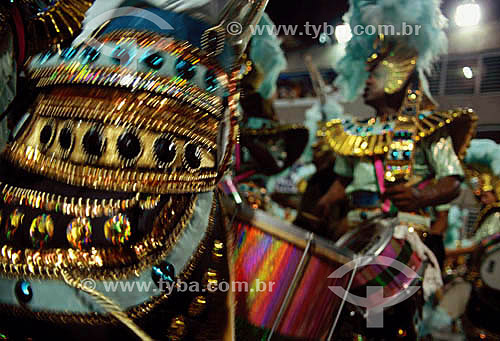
x: 488, y: 198
x: 374, y: 86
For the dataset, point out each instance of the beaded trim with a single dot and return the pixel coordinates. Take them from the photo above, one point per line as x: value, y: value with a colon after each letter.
x: 109, y: 154
x: 123, y: 108
x: 120, y: 77
x: 122, y: 180
x: 346, y: 144
x: 103, y: 264
x: 136, y: 312
x: 117, y: 77
x: 78, y: 207
x: 400, y: 155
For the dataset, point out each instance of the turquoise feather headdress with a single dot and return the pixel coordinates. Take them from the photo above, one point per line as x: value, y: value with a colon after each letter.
x: 483, y: 165
x: 430, y: 42
x: 266, y: 53
x: 484, y: 152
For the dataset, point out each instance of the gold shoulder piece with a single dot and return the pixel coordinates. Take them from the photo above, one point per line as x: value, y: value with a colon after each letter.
x: 461, y: 122
x: 347, y: 144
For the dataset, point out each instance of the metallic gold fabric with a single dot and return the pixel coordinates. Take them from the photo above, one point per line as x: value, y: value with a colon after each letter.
x: 433, y: 156
x: 158, y: 106
x: 352, y: 138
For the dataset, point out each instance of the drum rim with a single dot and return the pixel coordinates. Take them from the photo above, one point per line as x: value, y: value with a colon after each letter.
x: 487, y: 246
x: 378, y: 247
x: 288, y: 232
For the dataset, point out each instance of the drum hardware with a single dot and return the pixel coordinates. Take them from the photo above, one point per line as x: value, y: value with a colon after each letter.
x: 298, y: 273
x: 311, y: 217
x: 334, y: 325
x: 370, y: 221
x: 386, y: 245
x: 383, y: 235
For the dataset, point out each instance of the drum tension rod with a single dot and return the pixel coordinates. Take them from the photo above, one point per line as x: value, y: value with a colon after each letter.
x: 293, y: 285
x: 334, y: 325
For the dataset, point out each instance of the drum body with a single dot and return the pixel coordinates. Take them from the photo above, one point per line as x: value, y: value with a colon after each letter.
x: 455, y: 296
x: 489, y: 263
x: 377, y: 240
x: 268, y: 264
x: 371, y: 241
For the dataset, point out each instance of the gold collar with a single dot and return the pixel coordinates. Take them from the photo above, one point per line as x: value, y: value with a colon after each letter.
x: 346, y: 143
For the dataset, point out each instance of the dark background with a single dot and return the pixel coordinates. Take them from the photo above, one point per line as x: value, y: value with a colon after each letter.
x: 317, y: 12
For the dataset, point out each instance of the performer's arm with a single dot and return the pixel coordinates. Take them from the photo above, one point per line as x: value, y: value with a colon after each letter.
x: 440, y: 225
x: 336, y: 193
x: 451, y: 253
x: 490, y: 226
x: 448, y: 172
x: 408, y: 198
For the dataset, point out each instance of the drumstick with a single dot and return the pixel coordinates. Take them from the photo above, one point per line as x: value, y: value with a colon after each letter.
x: 310, y: 216
x: 317, y: 80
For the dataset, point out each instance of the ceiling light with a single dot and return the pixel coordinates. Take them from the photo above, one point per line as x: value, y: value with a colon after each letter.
x: 468, y: 72
x: 468, y: 14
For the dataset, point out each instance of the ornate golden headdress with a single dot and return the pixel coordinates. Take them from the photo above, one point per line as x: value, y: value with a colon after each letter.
x: 137, y: 111
x: 121, y: 123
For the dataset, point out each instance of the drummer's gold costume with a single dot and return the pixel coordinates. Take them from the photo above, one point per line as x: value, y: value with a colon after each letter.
x: 407, y: 157
x: 488, y: 223
x: 485, y: 181
x: 431, y: 149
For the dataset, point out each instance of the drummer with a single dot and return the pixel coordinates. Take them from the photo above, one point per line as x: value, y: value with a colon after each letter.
x: 482, y: 164
x: 403, y: 160
x: 433, y: 159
